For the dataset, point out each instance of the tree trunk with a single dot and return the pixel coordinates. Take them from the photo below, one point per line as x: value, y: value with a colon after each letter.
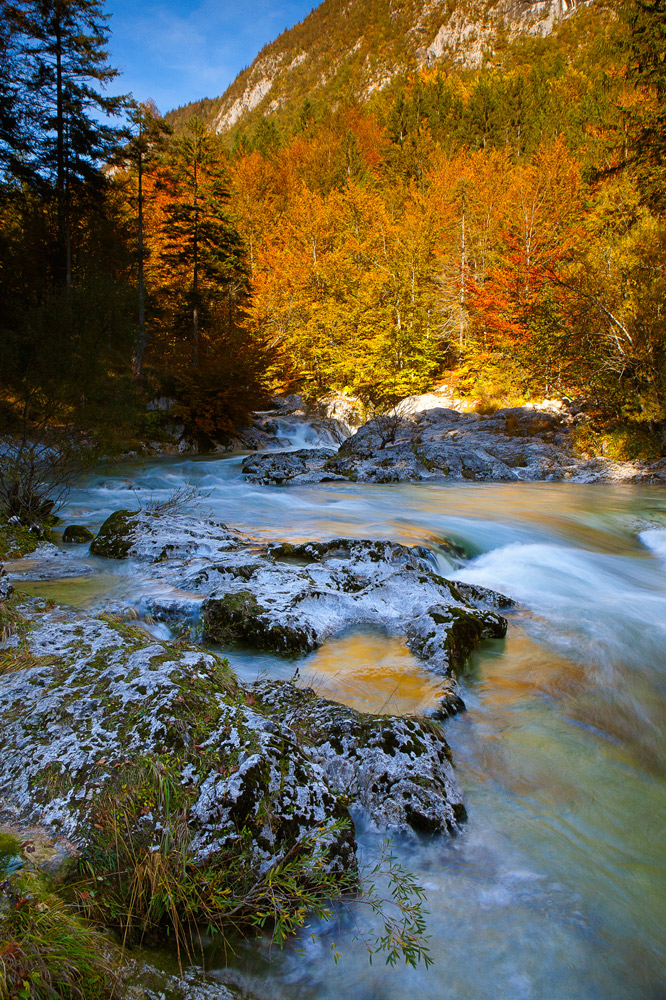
x: 62, y: 269
x: 195, y: 274
x: 137, y: 360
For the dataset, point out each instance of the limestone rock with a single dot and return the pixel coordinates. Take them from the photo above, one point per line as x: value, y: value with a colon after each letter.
x: 303, y: 466
x: 299, y: 595
x: 94, y: 704
x: 424, y: 442
x: 398, y: 770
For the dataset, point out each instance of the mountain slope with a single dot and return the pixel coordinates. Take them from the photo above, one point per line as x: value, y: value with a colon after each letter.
x: 352, y: 48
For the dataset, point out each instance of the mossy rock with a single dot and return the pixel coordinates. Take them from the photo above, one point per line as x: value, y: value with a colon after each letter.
x: 398, y: 769
x: 16, y: 540
x: 238, y: 617
x: 77, y: 534
x: 114, y: 539
x: 466, y: 632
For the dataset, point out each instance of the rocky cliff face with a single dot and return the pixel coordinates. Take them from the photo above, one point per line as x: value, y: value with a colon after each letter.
x: 360, y: 45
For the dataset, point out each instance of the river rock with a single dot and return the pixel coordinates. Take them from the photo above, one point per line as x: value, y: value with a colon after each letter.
x: 288, y: 598
x: 76, y: 534
x: 299, y: 595
x: 347, y: 411
x: 398, y: 769
x: 303, y: 466
x: 91, y: 703
x: 6, y: 588
x: 152, y: 537
x: 437, y: 443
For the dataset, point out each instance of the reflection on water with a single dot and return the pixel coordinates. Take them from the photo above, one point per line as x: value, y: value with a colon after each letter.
x: 76, y: 591
x: 372, y: 673
x: 557, y: 887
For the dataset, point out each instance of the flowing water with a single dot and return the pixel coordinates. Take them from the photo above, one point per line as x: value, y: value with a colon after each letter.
x: 557, y: 887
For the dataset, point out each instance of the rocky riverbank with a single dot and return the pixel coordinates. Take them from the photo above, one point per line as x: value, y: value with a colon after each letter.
x: 425, y: 441
x: 141, y: 752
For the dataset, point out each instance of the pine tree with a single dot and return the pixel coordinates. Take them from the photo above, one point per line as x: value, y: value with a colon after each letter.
x: 148, y: 133
x: 201, y: 246
x: 64, y: 46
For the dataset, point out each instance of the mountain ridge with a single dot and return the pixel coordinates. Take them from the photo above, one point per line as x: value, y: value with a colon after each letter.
x: 355, y: 48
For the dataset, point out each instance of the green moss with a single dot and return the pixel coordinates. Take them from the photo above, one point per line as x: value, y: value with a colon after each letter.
x: 238, y: 617
x: 114, y: 538
x: 465, y: 633
x: 423, y: 459
x: 10, y: 852
x: 15, y: 540
x: 76, y: 534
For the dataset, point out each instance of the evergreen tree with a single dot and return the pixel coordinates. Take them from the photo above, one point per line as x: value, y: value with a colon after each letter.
x: 148, y: 133
x: 201, y: 246
x: 64, y: 46
x: 14, y: 124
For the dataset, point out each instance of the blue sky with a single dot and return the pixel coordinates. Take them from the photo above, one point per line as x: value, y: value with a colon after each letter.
x: 175, y: 52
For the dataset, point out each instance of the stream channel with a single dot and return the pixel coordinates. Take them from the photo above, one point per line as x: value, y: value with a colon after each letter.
x: 557, y: 887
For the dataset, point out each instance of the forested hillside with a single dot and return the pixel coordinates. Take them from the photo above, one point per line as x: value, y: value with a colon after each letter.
x: 498, y: 227
x: 354, y: 49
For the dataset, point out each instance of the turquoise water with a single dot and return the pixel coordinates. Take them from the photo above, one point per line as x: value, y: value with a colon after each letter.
x: 557, y: 887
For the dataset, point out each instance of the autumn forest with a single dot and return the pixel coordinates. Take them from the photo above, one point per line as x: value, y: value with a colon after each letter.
x: 499, y: 229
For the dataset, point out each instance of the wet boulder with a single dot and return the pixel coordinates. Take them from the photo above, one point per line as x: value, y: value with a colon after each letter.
x: 114, y: 539
x: 98, y: 719
x: 398, y: 770
x: 75, y: 534
x: 304, y: 466
x: 240, y: 617
x: 300, y: 594
x: 154, y: 537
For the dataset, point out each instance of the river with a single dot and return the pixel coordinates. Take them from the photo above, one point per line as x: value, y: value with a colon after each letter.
x: 557, y: 887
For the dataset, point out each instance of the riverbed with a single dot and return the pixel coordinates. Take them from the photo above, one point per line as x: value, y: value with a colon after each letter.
x: 557, y: 887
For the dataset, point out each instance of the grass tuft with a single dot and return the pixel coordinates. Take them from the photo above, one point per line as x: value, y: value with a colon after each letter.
x: 47, y: 950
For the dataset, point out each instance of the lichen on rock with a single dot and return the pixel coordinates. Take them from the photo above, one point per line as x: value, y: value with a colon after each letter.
x: 397, y: 769
x: 303, y: 593
x: 98, y: 703
x: 153, y: 537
